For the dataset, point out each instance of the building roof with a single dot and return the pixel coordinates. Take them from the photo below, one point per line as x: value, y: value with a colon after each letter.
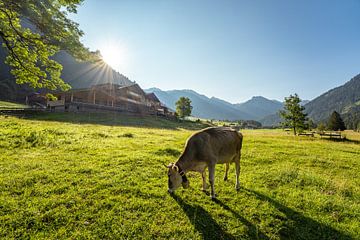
x: 152, y: 97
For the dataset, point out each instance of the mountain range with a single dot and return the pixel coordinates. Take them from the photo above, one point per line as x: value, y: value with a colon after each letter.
x: 214, y: 108
x: 344, y: 99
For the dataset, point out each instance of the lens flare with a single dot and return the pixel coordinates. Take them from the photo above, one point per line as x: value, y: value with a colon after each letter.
x: 114, y: 55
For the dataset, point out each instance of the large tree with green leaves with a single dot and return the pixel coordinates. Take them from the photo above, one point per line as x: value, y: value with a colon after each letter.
x: 335, y: 122
x: 293, y: 114
x: 183, y: 107
x: 29, y: 51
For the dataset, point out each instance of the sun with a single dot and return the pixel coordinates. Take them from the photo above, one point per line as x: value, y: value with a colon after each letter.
x: 114, y: 55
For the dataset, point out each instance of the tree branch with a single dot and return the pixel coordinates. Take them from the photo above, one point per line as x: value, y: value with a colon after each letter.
x: 14, y: 55
x: 22, y: 37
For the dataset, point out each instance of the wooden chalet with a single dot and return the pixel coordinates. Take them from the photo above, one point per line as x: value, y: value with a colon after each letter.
x: 161, y: 109
x: 109, y: 97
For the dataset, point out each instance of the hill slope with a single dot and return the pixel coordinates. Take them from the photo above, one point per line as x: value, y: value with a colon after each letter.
x: 85, y: 74
x: 344, y: 99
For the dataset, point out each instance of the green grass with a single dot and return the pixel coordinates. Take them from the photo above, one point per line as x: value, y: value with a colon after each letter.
x: 10, y: 105
x: 103, y: 177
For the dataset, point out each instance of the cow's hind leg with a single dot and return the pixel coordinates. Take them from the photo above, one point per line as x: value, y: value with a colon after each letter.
x: 226, y: 171
x: 212, y: 180
x: 237, y: 169
x: 204, y: 185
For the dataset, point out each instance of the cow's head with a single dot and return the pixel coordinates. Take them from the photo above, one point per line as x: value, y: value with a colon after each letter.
x: 176, y: 178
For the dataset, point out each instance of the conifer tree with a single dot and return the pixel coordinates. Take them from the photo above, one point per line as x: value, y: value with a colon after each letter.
x: 335, y: 122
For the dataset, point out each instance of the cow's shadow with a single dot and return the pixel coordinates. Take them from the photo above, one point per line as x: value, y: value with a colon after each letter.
x: 202, y: 221
x: 298, y: 226
x: 295, y: 225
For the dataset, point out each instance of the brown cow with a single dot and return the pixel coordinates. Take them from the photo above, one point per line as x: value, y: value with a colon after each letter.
x: 203, y: 150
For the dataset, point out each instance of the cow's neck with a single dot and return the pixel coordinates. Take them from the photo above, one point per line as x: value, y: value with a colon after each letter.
x: 184, y: 164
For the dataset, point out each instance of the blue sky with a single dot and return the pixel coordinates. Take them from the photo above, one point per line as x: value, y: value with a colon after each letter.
x: 229, y: 49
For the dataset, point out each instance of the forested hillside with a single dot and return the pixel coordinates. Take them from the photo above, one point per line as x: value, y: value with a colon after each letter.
x: 344, y: 99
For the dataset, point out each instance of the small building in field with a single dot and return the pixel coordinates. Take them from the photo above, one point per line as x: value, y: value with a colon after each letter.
x: 109, y: 97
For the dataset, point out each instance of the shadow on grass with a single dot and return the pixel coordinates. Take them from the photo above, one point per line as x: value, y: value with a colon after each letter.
x: 253, y: 231
x: 299, y: 226
x: 112, y: 119
x: 202, y: 221
x: 346, y: 140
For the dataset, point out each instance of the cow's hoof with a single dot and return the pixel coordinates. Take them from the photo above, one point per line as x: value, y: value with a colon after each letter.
x: 213, y: 197
x: 225, y: 178
x: 237, y: 188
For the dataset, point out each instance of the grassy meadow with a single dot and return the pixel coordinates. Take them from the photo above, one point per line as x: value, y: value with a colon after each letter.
x: 90, y: 176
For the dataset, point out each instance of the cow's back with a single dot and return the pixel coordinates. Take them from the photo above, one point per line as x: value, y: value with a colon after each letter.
x: 220, y: 143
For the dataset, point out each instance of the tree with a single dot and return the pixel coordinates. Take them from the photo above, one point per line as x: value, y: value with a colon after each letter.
x: 321, y: 127
x: 335, y: 122
x: 293, y: 114
x: 183, y: 107
x: 311, y: 124
x: 29, y: 51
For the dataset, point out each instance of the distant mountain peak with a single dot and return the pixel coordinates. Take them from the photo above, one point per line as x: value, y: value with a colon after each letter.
x: 189, y: 90
x: 260, y: 107
x: 153, y: 89
x: 259, y: 97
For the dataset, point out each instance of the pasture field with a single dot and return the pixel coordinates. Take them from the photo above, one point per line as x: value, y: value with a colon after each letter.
x: 73, y: 176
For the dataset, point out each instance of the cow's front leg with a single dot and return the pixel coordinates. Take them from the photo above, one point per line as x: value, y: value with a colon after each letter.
x: 226, y: 171
x: 204, y: 185
x: 212, y: 180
